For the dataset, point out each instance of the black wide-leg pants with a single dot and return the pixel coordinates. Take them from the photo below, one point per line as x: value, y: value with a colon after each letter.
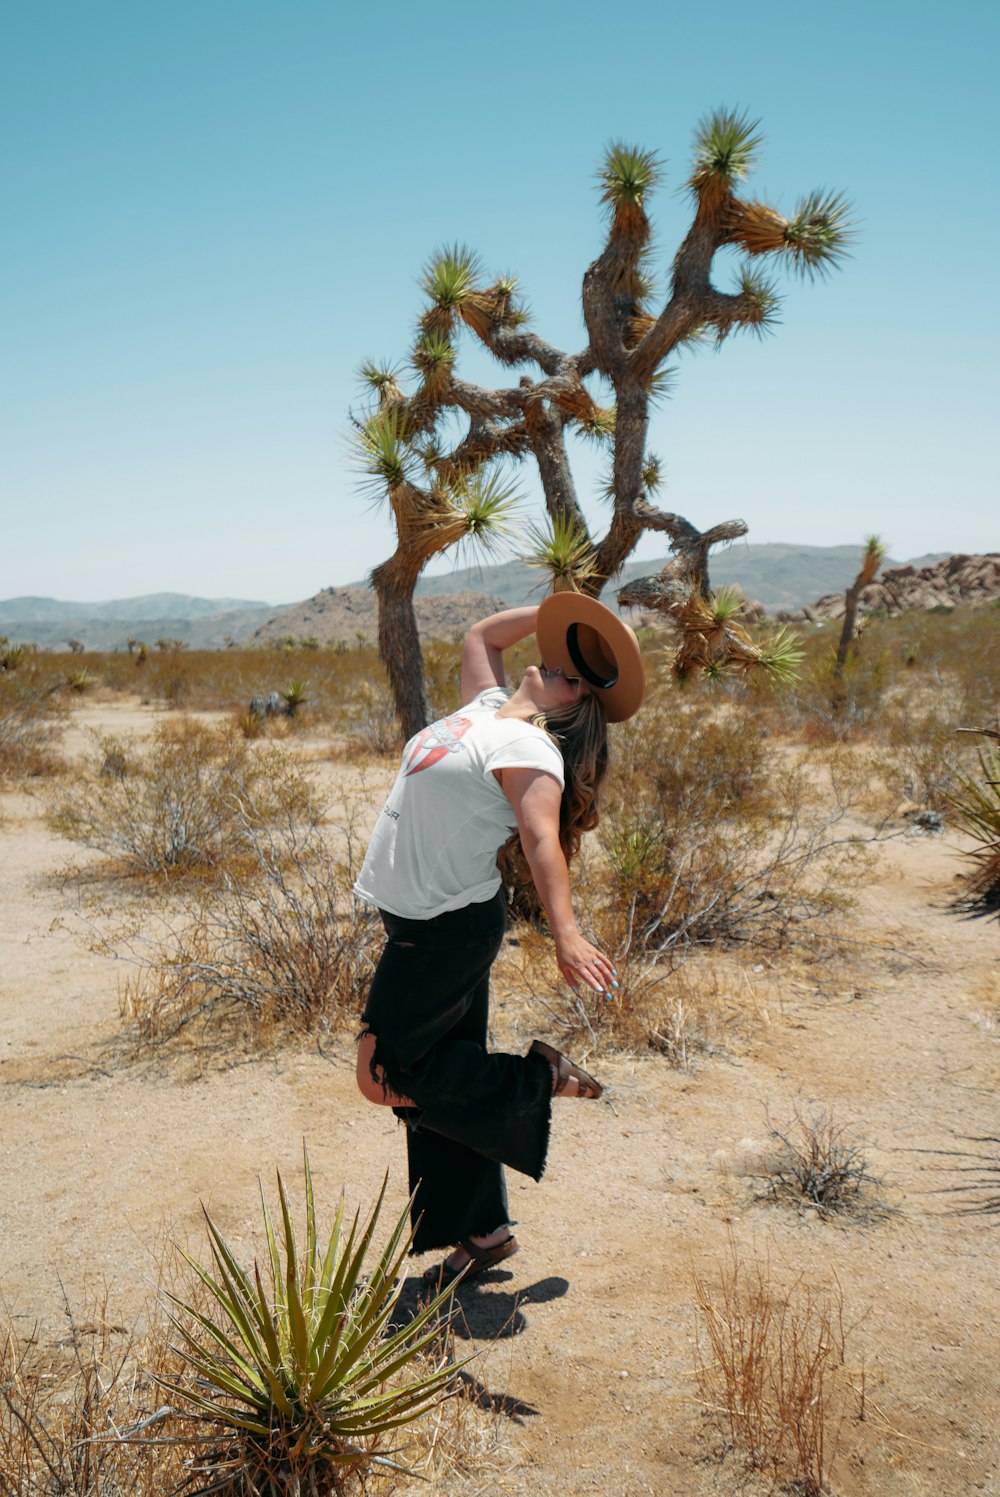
x: 474, y: 1112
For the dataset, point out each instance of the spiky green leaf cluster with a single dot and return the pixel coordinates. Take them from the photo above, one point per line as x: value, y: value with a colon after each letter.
x: 298, y: 1364
x: 780, y: 658
x: 379, y: 375
x: 975, y: 808
x: 652, y: 473
x: 627, y: 174
x: 600, y: 424
x: 563, y: 550
x: 451, y: 277
x: 820, y: 232
x: 632, y: 848
x: 726, y: 604
x: 433, y: 354
x: 662, y: 382
x: 383, y: 449
x: 491, y: 508
x: 724, y: 147
x: 760, y: 300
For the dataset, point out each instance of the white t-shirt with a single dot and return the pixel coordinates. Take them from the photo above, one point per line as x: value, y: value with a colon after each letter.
x: 434, y: 846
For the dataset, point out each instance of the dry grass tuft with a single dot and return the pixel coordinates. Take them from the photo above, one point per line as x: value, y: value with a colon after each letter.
x: 774, y: 1377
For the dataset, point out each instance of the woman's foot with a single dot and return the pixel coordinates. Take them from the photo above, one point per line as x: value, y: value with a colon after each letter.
x: 568, y: 1080
x: 473, y: 1255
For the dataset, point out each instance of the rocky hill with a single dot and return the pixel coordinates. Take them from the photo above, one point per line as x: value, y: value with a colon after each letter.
x: 351, y: 613
x: 968, y: 580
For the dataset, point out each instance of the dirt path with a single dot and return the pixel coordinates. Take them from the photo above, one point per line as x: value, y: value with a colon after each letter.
x: 589, y: 1333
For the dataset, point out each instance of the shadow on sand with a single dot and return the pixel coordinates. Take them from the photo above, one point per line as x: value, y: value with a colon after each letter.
x: 482, y: 1312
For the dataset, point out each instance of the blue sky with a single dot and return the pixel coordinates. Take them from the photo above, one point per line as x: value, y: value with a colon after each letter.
x: 214, y: 211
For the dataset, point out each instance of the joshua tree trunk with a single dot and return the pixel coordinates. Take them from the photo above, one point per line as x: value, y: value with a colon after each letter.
x: 399, y: 648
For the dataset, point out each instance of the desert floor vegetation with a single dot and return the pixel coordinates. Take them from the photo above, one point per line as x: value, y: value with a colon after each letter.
x: 790, y: 951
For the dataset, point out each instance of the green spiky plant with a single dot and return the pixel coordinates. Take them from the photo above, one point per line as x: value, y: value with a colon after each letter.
x: 294, y: 696
x: 975, y: 808
x: 295, y: 1372
x: 563, y: 550
x: 445, y: 428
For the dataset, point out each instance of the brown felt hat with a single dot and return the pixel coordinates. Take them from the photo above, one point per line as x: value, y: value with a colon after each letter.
x: 581, y: 637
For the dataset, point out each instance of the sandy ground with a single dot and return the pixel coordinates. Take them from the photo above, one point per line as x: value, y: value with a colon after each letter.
x: 589, y: 1333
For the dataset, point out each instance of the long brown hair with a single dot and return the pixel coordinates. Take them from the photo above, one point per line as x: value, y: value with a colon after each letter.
x: 580, y: 730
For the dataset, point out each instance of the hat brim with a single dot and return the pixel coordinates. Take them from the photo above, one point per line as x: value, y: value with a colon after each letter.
x: 559, y: 649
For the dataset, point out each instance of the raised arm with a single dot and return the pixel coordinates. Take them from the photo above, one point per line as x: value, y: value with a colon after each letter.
x: 482, y: 657
x: 536, y: 797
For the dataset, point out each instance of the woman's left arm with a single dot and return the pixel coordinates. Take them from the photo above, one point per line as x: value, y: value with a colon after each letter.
x: 482, y: 656
x: 536, y: 798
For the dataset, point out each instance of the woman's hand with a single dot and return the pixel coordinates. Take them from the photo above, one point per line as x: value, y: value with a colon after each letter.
x: 579, y: 961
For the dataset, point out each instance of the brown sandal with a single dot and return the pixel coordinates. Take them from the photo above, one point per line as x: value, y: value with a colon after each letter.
x: 565, y: 1071
x: 481, y: 1258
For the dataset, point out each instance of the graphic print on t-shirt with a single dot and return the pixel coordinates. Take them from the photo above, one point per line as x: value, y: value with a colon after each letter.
x: 434, y: 742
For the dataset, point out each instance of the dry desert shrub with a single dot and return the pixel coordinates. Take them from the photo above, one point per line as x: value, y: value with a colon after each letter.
x: 712, y: 837
x: 29, y: 722
x: 279, y: 942
x: 187, y: 804
x: 774, y: 1374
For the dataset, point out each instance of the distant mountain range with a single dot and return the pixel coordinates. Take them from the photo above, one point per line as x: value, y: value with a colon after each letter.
x: 204, y: 623
x: 780, y: 576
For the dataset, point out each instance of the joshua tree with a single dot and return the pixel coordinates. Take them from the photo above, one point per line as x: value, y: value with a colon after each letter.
x: 871, y: 559
x: 442, y: 491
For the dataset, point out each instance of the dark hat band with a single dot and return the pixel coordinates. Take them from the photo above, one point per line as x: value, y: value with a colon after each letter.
x: 603, y: 683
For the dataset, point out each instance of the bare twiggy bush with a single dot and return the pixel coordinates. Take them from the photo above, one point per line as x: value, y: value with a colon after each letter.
x: 189, y: 803
x: 774, y: 1374
x: 28, y: 722
x: 280, y: 942
x: 817, y: 1163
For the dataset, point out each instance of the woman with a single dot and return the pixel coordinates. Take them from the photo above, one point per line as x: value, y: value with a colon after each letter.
x: 527, y: 763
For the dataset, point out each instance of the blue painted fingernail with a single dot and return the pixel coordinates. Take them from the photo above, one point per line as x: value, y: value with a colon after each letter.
x: 614, y: 984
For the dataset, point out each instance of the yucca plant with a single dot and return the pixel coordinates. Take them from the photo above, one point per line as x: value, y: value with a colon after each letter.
x: 295, y: 1372
x: 975, y: 808
x: 294, y: 696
